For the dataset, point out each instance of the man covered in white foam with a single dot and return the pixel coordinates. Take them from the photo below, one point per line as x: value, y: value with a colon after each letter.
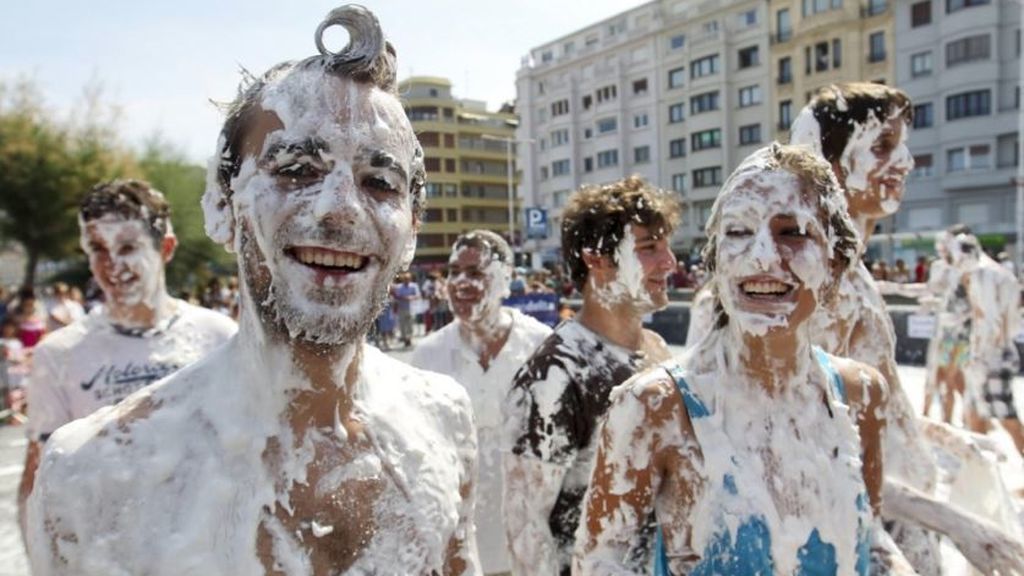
x: 295, y: 449
x: 140, y: 334
x: 482, y: 349
x: 615, y: 244
x: 861, y: 130
x: 994, y: 317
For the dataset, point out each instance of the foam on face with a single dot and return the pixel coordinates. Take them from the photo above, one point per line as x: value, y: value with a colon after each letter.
x: 135, y: 271
x: 746, y: 246
x: 628, y: 286
x: 494, y: 285
x: 860, y: 162
x: 349, y: 122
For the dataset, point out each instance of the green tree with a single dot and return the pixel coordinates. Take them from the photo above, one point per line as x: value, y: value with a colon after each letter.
x: 45, y: 168
x: 182, y: 183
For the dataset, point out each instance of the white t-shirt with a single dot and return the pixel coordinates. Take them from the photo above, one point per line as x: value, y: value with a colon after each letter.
x: 445, y: 352
x: 92, y: 363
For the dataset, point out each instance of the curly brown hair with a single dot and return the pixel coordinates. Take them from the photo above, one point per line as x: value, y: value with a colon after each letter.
x: 129, y: 200
x: 595, y: 219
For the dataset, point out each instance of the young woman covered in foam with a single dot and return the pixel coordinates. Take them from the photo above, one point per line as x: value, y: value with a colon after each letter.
x: 758, y: 452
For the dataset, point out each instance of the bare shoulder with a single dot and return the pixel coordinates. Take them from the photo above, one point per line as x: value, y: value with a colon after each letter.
x: 864, y: 384
x: 438, y: 395
x: 652, y: 391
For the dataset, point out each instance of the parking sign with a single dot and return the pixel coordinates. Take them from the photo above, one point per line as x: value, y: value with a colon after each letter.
x: 536, y: 223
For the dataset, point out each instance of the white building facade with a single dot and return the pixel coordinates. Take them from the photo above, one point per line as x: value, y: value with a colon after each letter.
x: 960, y: 62
x: 674, y: 91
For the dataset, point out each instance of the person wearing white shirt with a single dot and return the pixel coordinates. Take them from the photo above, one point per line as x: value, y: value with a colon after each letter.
x: 482, y: 350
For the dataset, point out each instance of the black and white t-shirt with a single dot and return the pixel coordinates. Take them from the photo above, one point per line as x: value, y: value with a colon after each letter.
x: 92, y: 363
x: 555, y: 407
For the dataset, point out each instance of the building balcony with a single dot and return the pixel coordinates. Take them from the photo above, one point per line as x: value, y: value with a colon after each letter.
x: 781, y: 37
x: 874, y: 8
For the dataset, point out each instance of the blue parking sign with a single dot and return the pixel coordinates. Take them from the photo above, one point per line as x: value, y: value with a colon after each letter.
x: 536, y: 223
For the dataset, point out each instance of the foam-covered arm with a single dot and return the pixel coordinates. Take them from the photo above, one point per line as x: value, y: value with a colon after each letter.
x: 963, y: 444
x: 985, y: 546
x: 886, y: 557
x: 531, y: 488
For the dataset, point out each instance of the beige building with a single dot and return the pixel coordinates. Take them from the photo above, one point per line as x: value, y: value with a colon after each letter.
x: 818, y: 42
x: 468, y: 164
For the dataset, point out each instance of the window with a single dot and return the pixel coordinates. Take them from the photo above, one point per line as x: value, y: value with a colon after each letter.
x: 924, y: 218
x: 749, y: 57
x: 706, y: 139
x: 785, y: 114
x: 747, y: 19
x: 677, y: 148
x: 432, y: 189
x: 542, y: 115
x: 968, y: 49
x: 675, y: 113
x: 449, y: 164
x: 546, y: 56
x: 837, y: 53
x: 568, y: 48
x: 710, y: 27
x: 876, y: 7
x: 451, y: 190
x: 640, y: 87
x: 923, y: 166
x: 750, y: 96
x: 588, y: 133
x: 705, y: 66
x: 924, y: 115
x: 559, y: 137
x: 679, y: 182
x: 783, y: 26
x: 607, y: 158
x: 607, y: 125
x: 750, y: 134
x: 976, y: 157
x: 606, y: 93
x: 921, y: 14
x: 973, y: 213
x: 641, y: 154
x: 640, y: 120
x: 821, y: 56
x: 587, y: 101
x: 591, y: 40
x: 968, y: 104
x: 559, y: 108
x: 704, y: 102
x: 432, y: 164
x: 676, y: 77
x: 921, y: 64
x: 785, y: 70
x: 558, y: 198
x: 877, y: 47
x: 707, y: 177
x: 1007, y: 151
x: 954, y: 5
x: 811, y: 7
x: 560, y: 167
x: 677, y: 42
x: 543, y: 172
x: 616, y: 27
x: 588, y: 164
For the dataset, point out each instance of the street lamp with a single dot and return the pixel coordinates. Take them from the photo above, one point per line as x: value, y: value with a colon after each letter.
x: 511, y: 185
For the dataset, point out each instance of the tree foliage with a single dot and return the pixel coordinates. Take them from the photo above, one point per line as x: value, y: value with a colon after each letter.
x: 45, y: 168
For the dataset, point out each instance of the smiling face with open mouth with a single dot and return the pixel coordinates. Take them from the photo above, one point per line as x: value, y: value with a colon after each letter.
x: 772, y: 257
x: 124, y: 259
x: 876, y: 162
x: 477, y: 283
x: 324, y: 204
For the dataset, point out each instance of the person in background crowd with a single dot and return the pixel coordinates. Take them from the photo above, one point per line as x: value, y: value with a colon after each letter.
x: 921, y: 270
x: 405, y: 292
x: 30, y: 316
x: 142, y: 334
x: 900, y: 272
x: 482, y: 349
x: 880, y: 270
x: 63, y: 308
x: 517, y: 286
x: 615, y: 242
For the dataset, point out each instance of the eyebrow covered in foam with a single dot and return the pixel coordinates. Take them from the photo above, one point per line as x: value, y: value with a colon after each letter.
x: 386, y: 160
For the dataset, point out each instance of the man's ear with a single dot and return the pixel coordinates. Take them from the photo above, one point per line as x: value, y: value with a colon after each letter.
x: 410, y: 246
x: 218, y: 210
x: 167, y: 247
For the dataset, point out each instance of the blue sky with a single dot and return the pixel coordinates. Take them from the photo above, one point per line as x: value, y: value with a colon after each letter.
x: 162, y: 62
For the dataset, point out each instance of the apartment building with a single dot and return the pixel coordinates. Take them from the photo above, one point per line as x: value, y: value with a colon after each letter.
x: 675, y: 91
x: 815, y: 43
x: 468, y: 163
x: 960, y: 62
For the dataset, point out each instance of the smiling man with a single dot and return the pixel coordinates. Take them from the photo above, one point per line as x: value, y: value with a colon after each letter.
x: 296, y: 448
x: 482, y: 349
x: 137, y: 337
x: 615, y: 244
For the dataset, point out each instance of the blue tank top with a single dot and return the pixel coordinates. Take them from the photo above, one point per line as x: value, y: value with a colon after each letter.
x: 751, y: 553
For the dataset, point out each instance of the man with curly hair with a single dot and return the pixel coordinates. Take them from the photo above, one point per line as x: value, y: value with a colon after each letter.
x: 615, y: 243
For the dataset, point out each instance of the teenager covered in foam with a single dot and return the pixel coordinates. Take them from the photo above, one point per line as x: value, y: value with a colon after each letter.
x: 757, y: 452
x: 615, y: 243
x: 482, y: 349
x: 861, y: 130
x: 295, y: 449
